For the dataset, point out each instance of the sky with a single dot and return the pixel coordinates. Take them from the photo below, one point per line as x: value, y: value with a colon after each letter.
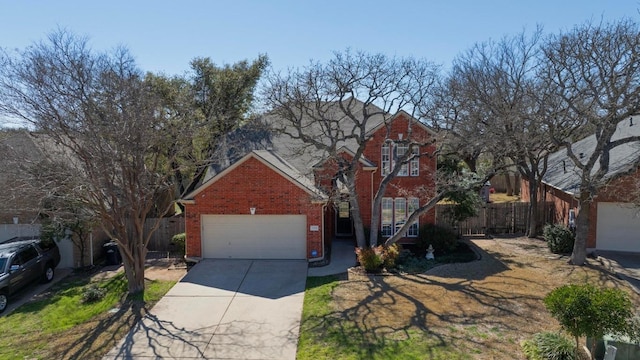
x: 164, y: 36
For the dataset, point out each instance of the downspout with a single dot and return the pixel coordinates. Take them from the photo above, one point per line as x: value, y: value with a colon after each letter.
x: 372, y: 174
x: 324, y: 206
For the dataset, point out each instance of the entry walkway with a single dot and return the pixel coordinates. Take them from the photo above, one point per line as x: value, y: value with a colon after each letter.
x: 343, y: 256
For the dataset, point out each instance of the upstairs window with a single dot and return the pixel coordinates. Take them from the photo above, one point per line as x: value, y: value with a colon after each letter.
x: 390, y: 152
x: 386, y: 159
x: 414, y: 164
x: 401, y: 149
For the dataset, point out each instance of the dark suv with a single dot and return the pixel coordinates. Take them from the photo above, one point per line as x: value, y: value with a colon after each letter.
x: 23, y: 261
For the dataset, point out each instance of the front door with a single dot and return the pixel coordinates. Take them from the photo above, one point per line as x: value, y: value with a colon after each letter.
x: 344, y: 224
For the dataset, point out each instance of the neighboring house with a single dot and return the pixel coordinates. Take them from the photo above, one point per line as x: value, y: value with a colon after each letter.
x: 20, y: 203
x: 269, y: 196
x: 614, y: 221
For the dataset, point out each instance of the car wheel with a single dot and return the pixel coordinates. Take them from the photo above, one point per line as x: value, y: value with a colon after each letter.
x: 48, y: 274
x: 3, y: 301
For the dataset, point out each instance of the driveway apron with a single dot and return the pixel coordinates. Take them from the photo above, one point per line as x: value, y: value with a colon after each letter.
x: 224, y: 309
x: 625, y: 265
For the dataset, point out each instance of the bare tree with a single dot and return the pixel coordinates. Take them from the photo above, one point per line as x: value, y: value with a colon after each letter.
x: 106, y: 124
x: 594, y: 71
x: 333, y: 106
x: 504, y: 102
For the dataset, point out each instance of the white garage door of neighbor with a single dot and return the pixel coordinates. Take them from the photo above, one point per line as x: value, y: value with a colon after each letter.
x: 618, y: 227
x: 254, y: 236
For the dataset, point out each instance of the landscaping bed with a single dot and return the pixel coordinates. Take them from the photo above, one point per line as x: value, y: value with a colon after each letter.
x: 475, y: 310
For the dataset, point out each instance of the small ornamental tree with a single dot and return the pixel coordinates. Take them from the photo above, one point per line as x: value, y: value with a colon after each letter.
x: 585, y: 310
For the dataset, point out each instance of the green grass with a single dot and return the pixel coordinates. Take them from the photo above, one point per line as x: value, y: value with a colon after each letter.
x: 26, y: 332
x: 327, y: 333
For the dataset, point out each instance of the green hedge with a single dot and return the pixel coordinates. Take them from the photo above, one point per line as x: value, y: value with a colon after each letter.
x: 559, y: 238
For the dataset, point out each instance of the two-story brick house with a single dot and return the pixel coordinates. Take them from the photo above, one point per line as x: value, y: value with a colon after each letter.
x: 276, y: 198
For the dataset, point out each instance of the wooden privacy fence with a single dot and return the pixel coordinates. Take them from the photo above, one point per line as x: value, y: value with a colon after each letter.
x: 161, y: 238
x: 500, y: 218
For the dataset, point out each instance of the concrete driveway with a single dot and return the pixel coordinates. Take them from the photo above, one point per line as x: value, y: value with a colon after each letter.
x: 224, y: 309
x: 32, y: 291
x: 625, y: 265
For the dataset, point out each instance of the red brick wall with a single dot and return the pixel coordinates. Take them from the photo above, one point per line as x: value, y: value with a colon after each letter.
x: 422, y: 186
x: 252, y: 184
x: 367, y: 182
x: 562, y: 202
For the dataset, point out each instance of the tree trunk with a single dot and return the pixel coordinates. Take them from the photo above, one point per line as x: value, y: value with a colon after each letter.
x: 579, y: 254
x: 532, y: 230
x: 134, y: 267
x: 508, y: 185
x: 358, y: 226
x: 82, y: 246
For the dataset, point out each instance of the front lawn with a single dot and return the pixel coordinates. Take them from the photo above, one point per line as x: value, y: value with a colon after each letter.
x: 331, y: 333
x: 475, y: 310
x: 61, y: 326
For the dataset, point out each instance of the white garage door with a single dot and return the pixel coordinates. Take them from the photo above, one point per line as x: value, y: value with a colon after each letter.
x: 254, y: 236
x: 618, y: 227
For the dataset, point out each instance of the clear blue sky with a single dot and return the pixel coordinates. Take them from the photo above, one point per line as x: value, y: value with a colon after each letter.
x: 165, y: 35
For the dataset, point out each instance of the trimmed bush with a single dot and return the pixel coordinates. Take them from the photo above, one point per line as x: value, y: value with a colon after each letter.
x: 92, y: 293
x: 443, y: 240
x: 549, y: 345
x: 390, y: 255
x: 179, y: 242
x: 559, y: 238
x: 586, y: 310
x: 370, y: 258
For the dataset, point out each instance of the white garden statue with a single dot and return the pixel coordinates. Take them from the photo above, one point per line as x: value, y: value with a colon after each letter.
x: 429, y: 255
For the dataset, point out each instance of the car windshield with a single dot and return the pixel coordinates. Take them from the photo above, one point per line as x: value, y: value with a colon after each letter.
x: 3, y: 262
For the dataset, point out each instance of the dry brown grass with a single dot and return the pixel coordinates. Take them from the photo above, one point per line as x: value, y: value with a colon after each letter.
x: 484, y: 308
x: 503, y: 198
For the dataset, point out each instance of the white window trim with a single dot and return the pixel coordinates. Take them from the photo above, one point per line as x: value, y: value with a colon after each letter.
x: 401, y: 149
x: 409, y: 205
x: 415, y: 163
x: 385, y: 163
x: 412, y: 205
x: 389, y: 222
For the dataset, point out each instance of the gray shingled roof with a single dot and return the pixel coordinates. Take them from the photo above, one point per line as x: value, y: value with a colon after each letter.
x: 271, y: 158
x: 301, y: 157
x: 259, y: 135
x: 285, y: 167
x: 562, y: 173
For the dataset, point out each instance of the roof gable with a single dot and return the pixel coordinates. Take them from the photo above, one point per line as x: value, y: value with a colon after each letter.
x: 412, y: 120
x: 274, y: 162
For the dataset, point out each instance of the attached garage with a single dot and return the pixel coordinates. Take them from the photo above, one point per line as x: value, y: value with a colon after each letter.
x: 254, y: 236
x: 618, y: 227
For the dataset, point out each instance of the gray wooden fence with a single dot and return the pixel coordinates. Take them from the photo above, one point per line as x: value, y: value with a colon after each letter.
x: 500, y: 218
x: 161, y: 238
